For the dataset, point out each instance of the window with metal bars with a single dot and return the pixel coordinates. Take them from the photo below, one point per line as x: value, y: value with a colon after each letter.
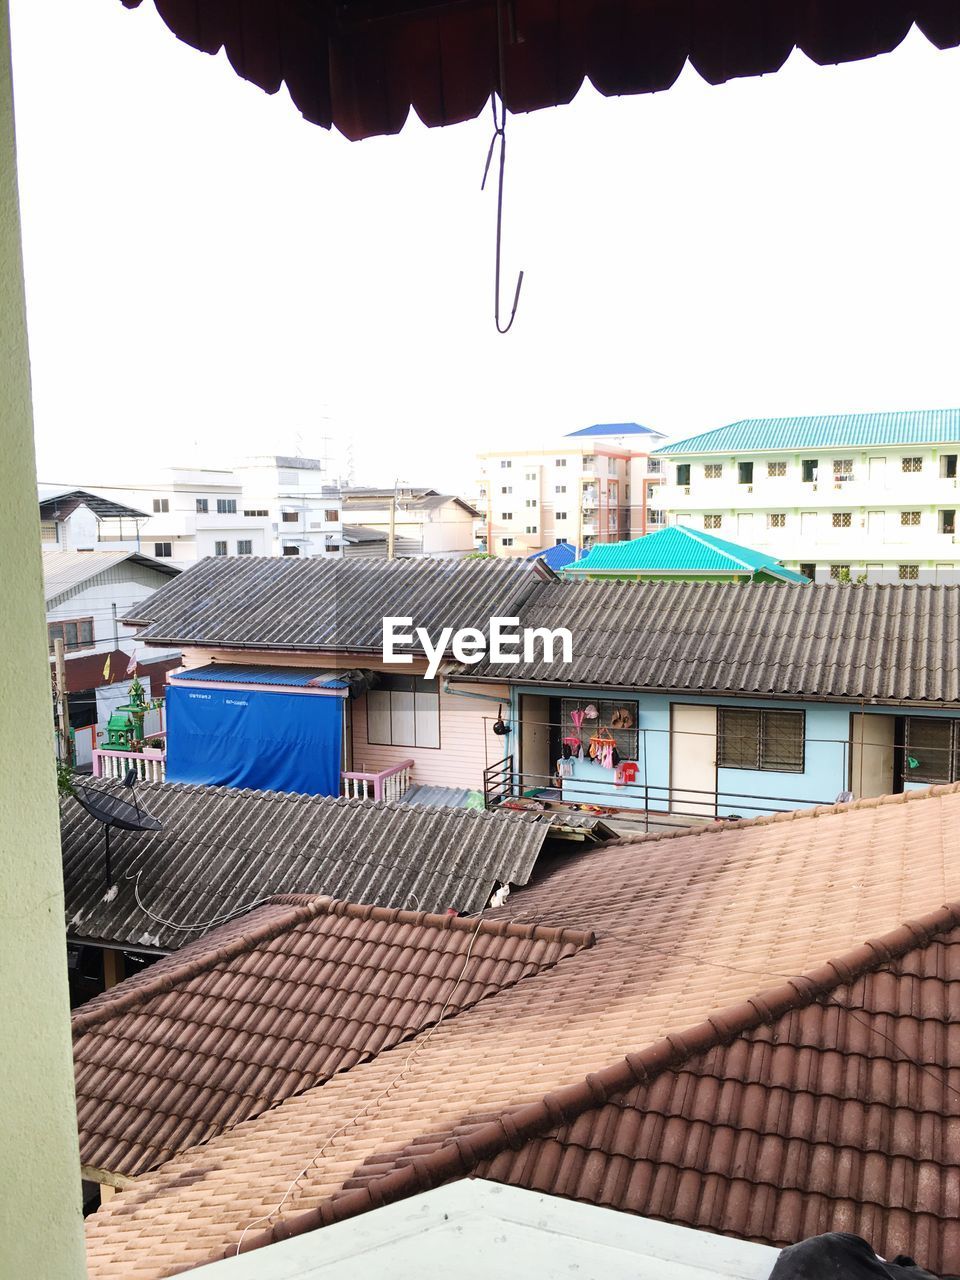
x: 841, y: 519
x: 776, y: 469
x: 777, y: 520
x: 910, y: 518
x: 908, y: 572
x: 911, y: 464
x: 712, y: 522
x: 713, y: 471
x: 755, y: 738
x: 932, y: 750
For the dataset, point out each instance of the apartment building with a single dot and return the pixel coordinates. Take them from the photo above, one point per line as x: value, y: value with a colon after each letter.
x: 594, y: 485
x: 303, y: 509
x: 843, y: 497
x: 193, y: 513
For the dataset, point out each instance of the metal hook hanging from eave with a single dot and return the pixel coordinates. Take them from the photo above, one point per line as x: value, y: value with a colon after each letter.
x: 499, y: 134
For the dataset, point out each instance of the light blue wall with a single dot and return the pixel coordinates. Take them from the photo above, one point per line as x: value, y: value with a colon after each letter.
x: 740, y: 791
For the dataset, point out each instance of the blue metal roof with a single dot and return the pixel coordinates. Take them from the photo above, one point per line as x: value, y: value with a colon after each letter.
x: 677, y: 550
x: 557, y: 557
x: 837, y: 430
x: 614, y: 429
x: 300, y: 677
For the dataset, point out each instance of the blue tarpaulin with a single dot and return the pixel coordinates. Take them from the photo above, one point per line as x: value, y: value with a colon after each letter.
x: 251, y: 738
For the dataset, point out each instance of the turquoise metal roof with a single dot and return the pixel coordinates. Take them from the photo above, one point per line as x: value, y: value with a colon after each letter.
x: 836, y: 430
x: 678, y: 550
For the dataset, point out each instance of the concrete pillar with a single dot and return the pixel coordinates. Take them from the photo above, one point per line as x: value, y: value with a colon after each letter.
x: 41, y: 1224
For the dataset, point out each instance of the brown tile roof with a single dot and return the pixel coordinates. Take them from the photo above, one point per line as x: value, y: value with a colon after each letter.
x: 686, y: 927
x: 838, y: 1115
x: 272, y: 1005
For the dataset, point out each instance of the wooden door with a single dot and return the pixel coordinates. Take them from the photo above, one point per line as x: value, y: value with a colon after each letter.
x: 693, y: 760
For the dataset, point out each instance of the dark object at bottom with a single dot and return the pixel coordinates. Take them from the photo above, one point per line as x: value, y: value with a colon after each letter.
x: 840, y: 1256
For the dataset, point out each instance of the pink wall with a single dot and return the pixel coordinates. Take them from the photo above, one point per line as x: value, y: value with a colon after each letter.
x: 459, y: 761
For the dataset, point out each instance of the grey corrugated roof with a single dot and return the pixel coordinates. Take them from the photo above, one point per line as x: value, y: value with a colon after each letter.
x: 65, y: 570
x: 221, y: 850
x: 319, y: 604
x: 879, y: 643
x: 58, y: 505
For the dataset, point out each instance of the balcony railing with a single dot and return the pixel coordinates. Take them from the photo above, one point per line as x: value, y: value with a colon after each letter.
x: 150, y: 764
x: 388, y: 784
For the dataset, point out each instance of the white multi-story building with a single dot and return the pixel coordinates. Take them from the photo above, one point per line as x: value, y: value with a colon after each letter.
x: 304, y: 512
x: 593, y: 486
x: 193, y: 513
x: 843, y: 497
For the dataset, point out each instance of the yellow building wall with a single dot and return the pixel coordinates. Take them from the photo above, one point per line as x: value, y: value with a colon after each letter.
x: 41, y: 1226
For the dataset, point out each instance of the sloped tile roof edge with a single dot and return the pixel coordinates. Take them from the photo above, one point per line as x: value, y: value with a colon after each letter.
x: 459, y: 1156
x: 788, y: 815
x: 304, y: 907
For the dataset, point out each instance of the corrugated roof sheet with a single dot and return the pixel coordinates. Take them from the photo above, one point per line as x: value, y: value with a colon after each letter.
x: 236, y: 1023
x: 55, y: 506
x: 66, y: 570
x: 826, y: 431
x: 443, y: 64
x: 321, y: 604
x: 878, y: 643
x: 677, y: 549
x: 557, y: 557
x: 222, y: 850
x: 699, y: 935
x: 614, y: 429
x: 292, y: 676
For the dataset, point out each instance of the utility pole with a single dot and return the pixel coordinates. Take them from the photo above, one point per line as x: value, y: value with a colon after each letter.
x: 63, y: 709
x: 392, y: 530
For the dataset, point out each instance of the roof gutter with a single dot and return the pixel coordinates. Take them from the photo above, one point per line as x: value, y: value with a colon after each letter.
x: 852, y: 700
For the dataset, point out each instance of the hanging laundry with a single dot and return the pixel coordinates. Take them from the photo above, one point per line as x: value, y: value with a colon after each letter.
x: 627, y: 772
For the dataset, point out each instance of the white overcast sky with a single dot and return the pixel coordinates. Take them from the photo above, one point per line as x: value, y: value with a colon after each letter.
x: 208, y: 275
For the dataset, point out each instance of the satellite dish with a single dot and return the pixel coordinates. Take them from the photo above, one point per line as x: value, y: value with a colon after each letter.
x: 114, y: 812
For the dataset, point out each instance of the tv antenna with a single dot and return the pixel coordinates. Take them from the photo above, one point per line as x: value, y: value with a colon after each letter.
x: 113, y: 811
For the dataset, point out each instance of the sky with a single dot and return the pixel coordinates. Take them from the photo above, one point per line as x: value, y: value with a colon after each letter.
x: 209, y: 276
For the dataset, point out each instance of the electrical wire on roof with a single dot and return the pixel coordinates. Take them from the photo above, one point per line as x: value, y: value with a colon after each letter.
x: 500, y: 135
x: 417, y: 1046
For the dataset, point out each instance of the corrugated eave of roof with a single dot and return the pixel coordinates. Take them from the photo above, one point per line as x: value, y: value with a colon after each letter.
x: 458, y: 1156
x: 89, y: 565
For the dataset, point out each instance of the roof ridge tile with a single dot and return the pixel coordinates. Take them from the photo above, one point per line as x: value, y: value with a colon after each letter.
x: 789, y: 815
x: 305, y: 907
